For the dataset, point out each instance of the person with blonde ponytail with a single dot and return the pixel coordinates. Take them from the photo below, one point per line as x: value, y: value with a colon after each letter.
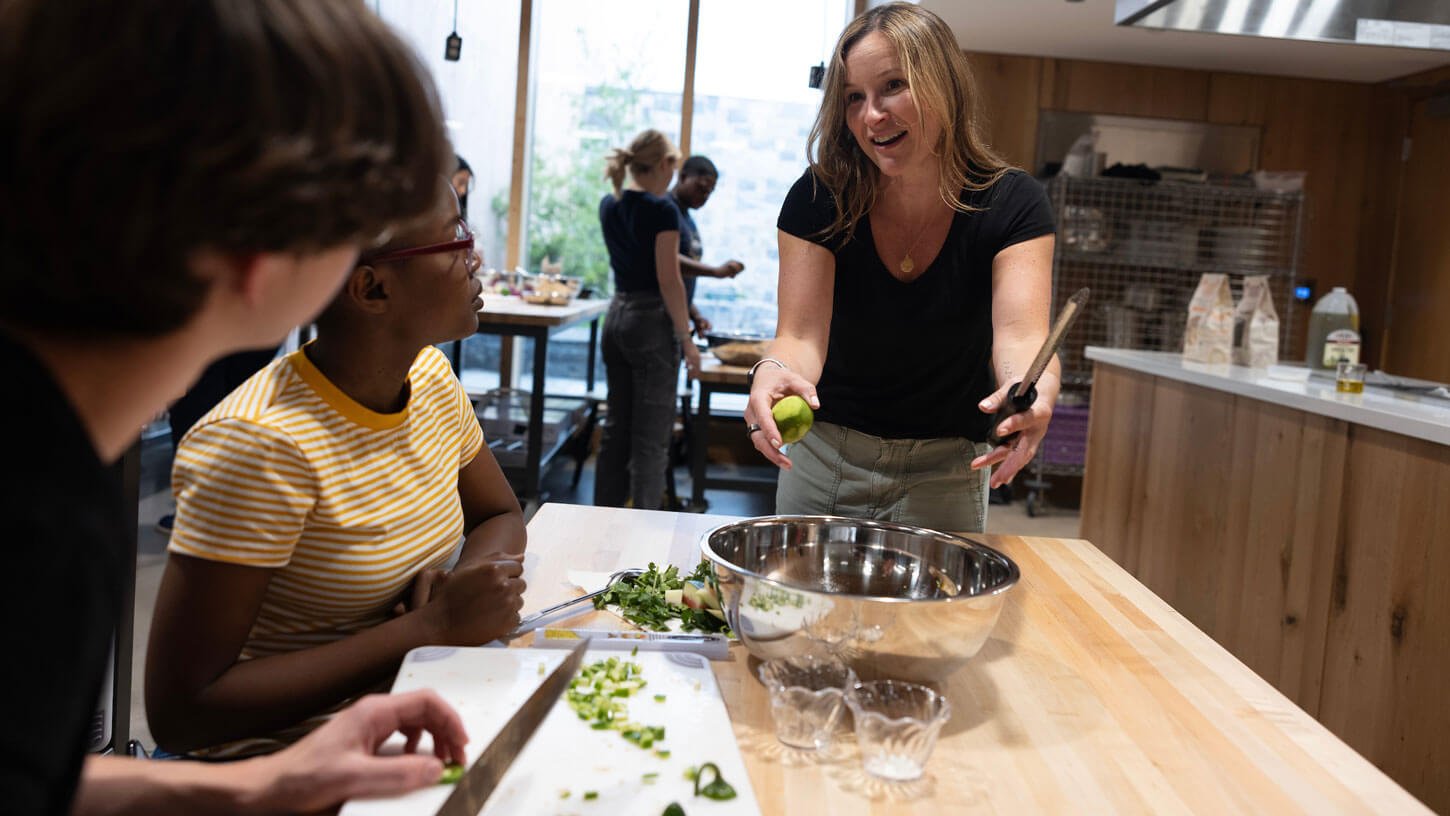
x: 648, y: 326
x: 915, y: 281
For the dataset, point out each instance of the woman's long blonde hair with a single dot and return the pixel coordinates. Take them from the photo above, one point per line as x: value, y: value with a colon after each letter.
x: 940, y: 81
x: 646, y: 152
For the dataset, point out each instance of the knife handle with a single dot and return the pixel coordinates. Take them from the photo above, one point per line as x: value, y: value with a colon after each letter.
x: 1016, y: 404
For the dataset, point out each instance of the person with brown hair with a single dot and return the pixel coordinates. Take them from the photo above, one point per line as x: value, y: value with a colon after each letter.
x: 915, y: 279
x: 269, y: 142
x: 648, y: 325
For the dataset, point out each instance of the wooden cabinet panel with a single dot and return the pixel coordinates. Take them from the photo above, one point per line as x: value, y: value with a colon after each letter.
x: 1315, y: 551
x: 1281, y: 513
x: 1117, y: 463
x: 1387, y: 665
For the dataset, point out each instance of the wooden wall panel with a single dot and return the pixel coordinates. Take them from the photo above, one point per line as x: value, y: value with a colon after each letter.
x: 1388, y: 119
x: 1387, y: 665
x: 1008, y: 87
x: 1322, y: 127
x: 1127, y: 90
x: 1419, y: 301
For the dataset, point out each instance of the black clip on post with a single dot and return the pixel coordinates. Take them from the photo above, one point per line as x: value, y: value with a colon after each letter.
x: 1014, y: 404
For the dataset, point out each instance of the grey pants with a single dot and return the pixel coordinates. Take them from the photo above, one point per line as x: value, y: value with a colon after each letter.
x: 924, y: 482
x: 641, y: 365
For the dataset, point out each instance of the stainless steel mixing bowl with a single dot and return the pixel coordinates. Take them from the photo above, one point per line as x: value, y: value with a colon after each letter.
x: 892, y: 600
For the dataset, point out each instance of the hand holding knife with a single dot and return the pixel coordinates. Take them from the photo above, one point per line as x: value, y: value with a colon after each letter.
x: 1023, y: 394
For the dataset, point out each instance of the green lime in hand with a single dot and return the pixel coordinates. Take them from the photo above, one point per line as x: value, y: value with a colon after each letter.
x: 793, y: 417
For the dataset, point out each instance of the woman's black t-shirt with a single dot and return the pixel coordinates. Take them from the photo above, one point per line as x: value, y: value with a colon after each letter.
x: 630, y: 223
x: 912, y: 360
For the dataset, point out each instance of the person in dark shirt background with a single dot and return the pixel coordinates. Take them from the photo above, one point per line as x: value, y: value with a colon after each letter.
x: 648, y: 326
x: 697, y: 180
x: 915, y: 280
x: 268, y: 143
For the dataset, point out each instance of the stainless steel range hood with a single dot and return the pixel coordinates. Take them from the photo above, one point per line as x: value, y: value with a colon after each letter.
x: 1400, y: 23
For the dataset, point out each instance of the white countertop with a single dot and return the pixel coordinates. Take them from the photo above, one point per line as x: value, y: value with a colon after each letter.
x: 1420, y: 417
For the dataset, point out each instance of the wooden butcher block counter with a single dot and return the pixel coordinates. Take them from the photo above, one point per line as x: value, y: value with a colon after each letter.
x: 1091, y: 696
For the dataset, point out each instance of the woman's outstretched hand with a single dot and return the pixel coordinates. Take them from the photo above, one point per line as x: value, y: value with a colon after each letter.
x: 772, y: 384
x: 1030, y: 426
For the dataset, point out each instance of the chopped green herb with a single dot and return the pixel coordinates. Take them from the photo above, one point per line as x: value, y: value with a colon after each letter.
x: 563, y: 793
x: 769, y: 598
x: 452, y: 772
x: 634, y: 652
x: 642, y: 600
x: 590, y: 795
x: 717, y: 789
x: 674, y: 809
x: 662, y: 753
x: 649, y: 778
x: 541, y: 669
x: 659, y: 698
x: 691, y: 773
x: 598, y: 696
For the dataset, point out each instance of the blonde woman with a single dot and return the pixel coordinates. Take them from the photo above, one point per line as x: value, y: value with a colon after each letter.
x: 648, y: 326
x: 915, y: 272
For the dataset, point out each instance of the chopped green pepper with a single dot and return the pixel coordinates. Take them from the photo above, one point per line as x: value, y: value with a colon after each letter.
x: 649, y: 778
x: 717, y: 789
x: 590, y: 795
x: 674, y: 809
x: 659, y: 698
x: 452, y: 772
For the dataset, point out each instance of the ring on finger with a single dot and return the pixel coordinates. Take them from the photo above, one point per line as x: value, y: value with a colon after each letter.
x: 750, y: 429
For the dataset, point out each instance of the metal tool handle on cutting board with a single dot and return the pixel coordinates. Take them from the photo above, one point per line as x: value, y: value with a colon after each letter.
x: 527, y: 624
x: 1023, y: 393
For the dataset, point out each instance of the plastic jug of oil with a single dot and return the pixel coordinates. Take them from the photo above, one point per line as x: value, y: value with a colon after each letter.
x: 1334, y: 330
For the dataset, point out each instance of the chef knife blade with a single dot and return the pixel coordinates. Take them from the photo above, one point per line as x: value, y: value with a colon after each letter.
x: 1022, y: 394
x: 484, y: 774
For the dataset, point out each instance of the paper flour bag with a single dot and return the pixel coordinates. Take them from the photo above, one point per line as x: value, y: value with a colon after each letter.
x: 1209, y: 335
x: 1256, y: 325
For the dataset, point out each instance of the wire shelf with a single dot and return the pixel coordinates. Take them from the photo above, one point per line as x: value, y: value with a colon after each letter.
x: 1142, y: 247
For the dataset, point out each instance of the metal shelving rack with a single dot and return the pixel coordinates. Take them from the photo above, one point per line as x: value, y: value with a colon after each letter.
x: 1141, y: 247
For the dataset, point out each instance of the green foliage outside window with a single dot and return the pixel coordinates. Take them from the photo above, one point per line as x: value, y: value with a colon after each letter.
x: 563, y: 221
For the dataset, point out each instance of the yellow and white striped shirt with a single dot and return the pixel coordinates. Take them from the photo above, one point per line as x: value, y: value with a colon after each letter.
x: 346, y: 505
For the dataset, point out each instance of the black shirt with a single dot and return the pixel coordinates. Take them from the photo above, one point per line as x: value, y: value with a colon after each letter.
x: 690, y: 245
x: 912, y: 360
x: 630, y: 223
x: 64, y: 543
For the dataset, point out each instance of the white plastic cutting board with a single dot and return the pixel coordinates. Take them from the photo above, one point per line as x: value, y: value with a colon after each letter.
x: 487, y: 684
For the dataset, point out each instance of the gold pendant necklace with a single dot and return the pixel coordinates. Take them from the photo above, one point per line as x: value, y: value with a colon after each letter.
x: 907, y: 264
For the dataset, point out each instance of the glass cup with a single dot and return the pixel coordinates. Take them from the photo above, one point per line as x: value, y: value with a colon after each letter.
x: 806, y: 698
x: 1349, y: 378
x: 896, y: 726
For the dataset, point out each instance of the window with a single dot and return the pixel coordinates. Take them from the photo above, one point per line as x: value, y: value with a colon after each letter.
x: 604, y: 72
x: 477, y: 93
x: 753, y: 112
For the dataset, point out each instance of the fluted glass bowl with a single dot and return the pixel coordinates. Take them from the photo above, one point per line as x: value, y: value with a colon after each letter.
x: 896, y: 726
x: 807, y: 695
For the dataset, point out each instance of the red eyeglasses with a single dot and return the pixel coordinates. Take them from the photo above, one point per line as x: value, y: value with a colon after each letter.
x: 462, y: 241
